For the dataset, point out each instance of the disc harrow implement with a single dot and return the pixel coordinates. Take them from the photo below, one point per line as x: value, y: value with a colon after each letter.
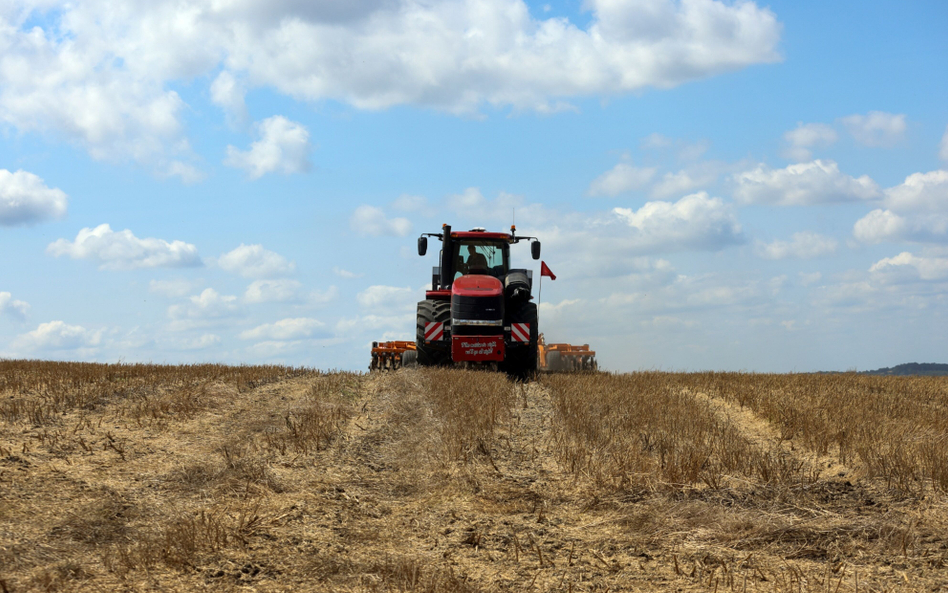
x: 393, y: 355
x: 566, y: 358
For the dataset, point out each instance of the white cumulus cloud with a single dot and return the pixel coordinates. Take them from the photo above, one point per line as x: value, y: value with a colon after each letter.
x: 100, y: 74
x: 371, y: 221
x: 69, y: 81
x: 187, y: 173
x: 25, y: 199
x: 210, y: 304
x: 253, y: 261
x: 458, y: 54
x: 228, y: 92
x: 199, y: 343
x: 805, y: 137
x: 267, y: 291
x: 876, y: 128
x: 12, y: 307
x: 696, y: 221
x: 286, y: 329
x: 617, y: 243
x: 802, y: 184
x: 387, y: 298
x: 908, y: 267
x: 57, y: 335
x: 283, y: 147
x: 122, y: 250
x: 920, y: 192
x: 470, y: 199
x: 472, y: 206
x: 880, y: 225
x: 885, y: 225
x: 622, y: 178
x: 916, y: 210
x: 680, y: 183
x: 319, y: 298
x: 802, y: 245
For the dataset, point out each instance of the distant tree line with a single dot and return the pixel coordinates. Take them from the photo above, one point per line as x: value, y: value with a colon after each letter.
x: 912, y: 368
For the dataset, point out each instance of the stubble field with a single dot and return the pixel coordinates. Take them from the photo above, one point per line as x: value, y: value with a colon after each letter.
x: 190, y: 478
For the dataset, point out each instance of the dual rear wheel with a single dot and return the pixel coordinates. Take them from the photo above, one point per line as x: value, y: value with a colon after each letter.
x: 521, y: 360
x: 436, y: 353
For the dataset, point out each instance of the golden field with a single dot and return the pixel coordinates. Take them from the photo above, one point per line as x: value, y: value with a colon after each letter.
x: 193, y: 478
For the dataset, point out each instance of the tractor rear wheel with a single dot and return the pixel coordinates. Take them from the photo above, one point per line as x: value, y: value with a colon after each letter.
x: 437, y: 353
x: 522, y: 359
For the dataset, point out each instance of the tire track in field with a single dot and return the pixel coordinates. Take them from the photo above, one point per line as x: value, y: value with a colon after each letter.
x: 505, y: 515
x: 764, y: 435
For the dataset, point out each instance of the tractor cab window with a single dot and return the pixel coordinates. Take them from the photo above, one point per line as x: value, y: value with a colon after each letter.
x: 480, y: 257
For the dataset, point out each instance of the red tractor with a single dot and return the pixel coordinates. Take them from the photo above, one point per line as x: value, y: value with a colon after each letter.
x: 479, y: 310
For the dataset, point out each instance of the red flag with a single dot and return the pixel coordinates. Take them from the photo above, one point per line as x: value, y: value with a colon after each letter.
x: 545, y: 271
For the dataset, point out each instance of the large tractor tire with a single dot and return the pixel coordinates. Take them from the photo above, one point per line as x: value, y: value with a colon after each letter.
x: 410, y: 358
x: 521, y: 361
x: 432, y: 353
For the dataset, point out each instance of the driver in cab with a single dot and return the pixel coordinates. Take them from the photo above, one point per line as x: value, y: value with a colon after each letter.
x: 476, y: 262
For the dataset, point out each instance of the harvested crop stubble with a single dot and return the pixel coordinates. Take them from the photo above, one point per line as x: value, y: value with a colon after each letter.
x: 39, y: 392
x: 469, y: 405
x: 436, y: 480
x: 645, y: 430
x: 712, y: 476
x: 147, y: 468
x: 433, y: 426
x: 895, y: 427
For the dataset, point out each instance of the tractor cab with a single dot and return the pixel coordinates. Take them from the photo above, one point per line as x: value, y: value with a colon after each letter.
x: 480, y: 256
x: 473, y: 252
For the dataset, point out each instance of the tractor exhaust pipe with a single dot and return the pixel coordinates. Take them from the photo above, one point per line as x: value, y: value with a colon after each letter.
x: 447, y: 251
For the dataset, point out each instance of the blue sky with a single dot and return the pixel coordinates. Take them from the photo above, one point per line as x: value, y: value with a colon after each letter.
x: 717, y: 185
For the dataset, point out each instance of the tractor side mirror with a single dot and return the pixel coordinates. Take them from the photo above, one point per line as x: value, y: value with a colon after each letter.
x: 422, y: 245
x: 535, y: 249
